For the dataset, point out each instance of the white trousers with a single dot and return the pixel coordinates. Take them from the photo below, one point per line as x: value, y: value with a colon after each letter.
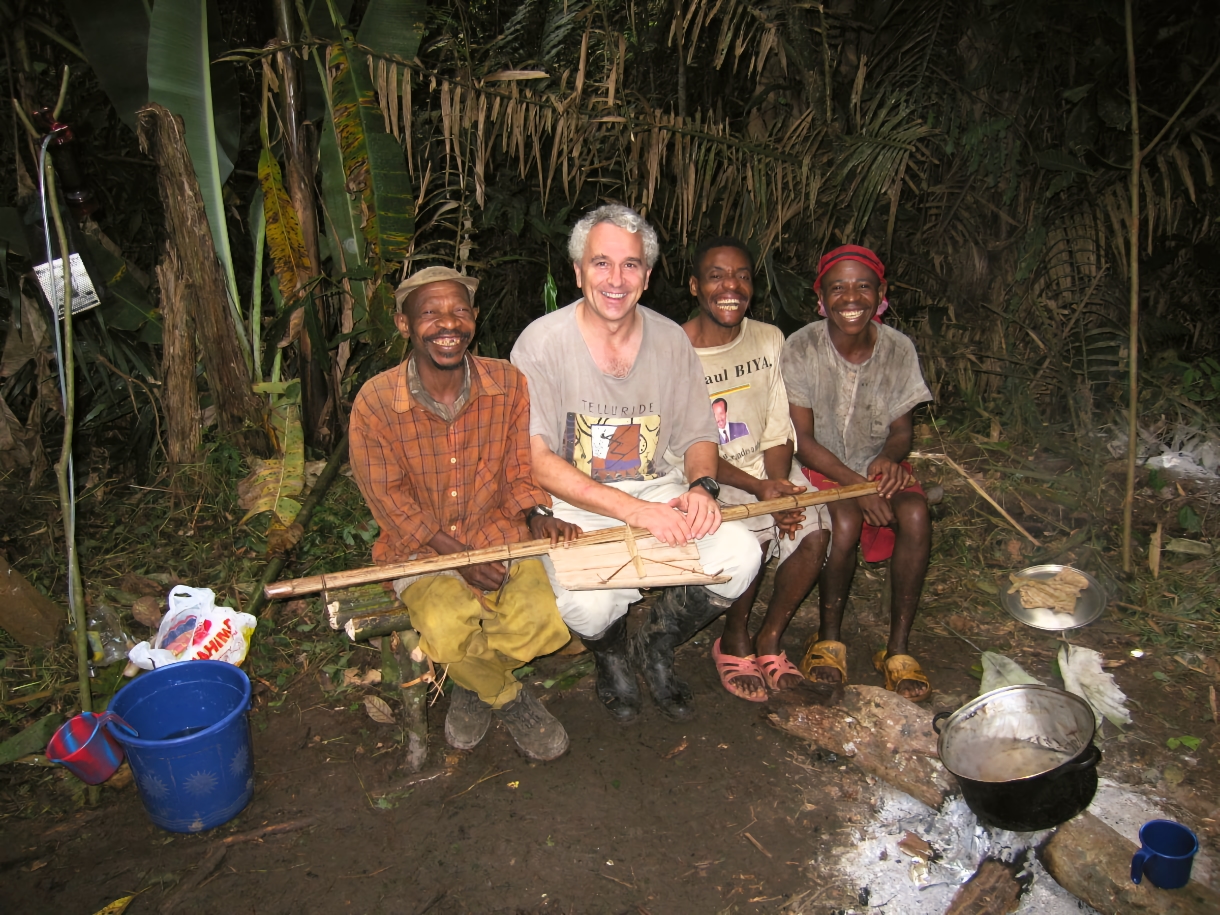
x: 817, y: 518
x: 733, y: 549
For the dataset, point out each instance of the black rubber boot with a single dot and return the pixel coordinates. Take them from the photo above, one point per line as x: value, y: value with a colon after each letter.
x: 537, y: 732
x: 616, y: 684
x: 678, y: 615
x: 467, y: 720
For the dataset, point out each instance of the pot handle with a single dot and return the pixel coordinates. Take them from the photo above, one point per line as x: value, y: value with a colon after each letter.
x: 937, y: 719
x: 1088, y: 762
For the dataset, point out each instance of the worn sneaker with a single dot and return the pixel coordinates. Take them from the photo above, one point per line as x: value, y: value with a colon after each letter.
x: 467, y: 719
x: 538, y: 733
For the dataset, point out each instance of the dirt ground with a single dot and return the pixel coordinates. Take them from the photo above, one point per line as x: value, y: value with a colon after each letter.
x: 723, y: 814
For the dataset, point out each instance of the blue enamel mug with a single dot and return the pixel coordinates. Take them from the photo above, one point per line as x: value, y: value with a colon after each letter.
x: 1166, y: 854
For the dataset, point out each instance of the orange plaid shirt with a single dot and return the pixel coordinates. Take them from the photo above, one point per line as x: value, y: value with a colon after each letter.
x: 470, y: 478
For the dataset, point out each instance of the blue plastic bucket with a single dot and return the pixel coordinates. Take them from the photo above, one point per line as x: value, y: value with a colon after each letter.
x: 191, y: 761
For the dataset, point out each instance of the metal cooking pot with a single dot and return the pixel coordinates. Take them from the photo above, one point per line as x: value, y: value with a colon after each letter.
x: 1023, y: 755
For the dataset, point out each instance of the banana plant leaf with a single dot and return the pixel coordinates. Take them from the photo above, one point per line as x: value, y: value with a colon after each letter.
x: 182, y: 78
x: 342, y: 218
x: 285, y: 240
x: 114, y: 36
x: 373, y: 162
x: 275, y: 485
x: 258, y: 230
x: 125, y: 302
x: 394, y: 27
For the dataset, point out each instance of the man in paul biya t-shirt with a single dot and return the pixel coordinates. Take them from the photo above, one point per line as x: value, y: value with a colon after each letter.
x: 740, y: 360
x: 616, y: 393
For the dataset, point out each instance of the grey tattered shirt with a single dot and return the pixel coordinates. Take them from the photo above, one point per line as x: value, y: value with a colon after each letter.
x: 853, y: 405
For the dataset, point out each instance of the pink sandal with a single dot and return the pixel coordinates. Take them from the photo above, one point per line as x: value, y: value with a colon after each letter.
x: 732, y: 668
x: 774, y: 666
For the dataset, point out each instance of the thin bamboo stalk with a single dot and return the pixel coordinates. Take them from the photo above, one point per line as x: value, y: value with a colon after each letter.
x: 1134, y: 303
x: 63, y: 468
x: 315, y: 583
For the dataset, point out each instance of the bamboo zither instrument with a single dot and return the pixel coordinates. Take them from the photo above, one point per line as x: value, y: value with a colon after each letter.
x: 281, y: 590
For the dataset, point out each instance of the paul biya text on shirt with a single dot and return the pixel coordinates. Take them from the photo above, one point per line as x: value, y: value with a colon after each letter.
x: 590, y: 408
x: 741, y: 370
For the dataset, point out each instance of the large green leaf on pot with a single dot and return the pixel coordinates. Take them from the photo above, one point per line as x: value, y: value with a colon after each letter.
x: 394, y: 27
x: 373, y: 162
x: 114, y: 36
x: 182, y: 78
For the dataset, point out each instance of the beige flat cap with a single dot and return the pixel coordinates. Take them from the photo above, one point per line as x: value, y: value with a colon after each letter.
x: 433, y: 275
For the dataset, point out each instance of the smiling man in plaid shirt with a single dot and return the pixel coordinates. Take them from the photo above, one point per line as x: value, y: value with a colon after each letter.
x: 440, y: 450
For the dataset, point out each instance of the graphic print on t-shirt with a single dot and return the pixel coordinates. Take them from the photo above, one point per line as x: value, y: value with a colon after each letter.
x: 612, y: 450
x: 726, y: 428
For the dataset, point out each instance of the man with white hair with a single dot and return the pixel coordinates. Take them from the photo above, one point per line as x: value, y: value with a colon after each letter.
x: 617, y: 400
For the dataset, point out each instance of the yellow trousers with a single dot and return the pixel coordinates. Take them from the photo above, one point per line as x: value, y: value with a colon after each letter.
x: 483, y: 641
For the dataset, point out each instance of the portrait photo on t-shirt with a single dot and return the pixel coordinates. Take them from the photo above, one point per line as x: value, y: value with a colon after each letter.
x: 727, y: 429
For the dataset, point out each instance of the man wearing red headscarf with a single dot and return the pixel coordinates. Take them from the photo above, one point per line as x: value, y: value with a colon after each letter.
x: 853, y: 384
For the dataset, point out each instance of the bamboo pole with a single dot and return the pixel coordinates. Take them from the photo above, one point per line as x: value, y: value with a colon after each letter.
x: 315, y: 583
x: 63, y: 468
x: 1133, y: 255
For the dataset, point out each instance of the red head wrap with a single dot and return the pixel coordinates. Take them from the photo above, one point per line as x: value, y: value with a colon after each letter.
x: 865, y: 256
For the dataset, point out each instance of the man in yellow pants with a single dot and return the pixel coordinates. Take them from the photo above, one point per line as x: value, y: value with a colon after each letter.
x: 440, y: 450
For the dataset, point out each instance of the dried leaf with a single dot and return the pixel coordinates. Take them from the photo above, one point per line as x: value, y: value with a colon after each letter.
x: 118, y: 907
x: 353, y: 677
x: 378, y: 710
x: 147, y: 610
x: 285, y: 240
x: 273, y: 485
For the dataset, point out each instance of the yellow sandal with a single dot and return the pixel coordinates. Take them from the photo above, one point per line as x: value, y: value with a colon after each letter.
x: 901, y: 667
x: 826, y: 653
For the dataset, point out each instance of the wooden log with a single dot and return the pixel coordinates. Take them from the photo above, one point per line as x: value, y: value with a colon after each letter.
x: 885, y: 735
x: 405, y: 646
x: 377, y: 623
x: 238, y: 411
x: 398, y: 667
x: 1093, y: 863
x: 180, y: 391
x: 993, y: 890
x: 280, y: 590
x: 343, y: 604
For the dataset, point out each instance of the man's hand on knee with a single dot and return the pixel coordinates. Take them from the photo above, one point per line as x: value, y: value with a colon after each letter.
x: 486, y: 576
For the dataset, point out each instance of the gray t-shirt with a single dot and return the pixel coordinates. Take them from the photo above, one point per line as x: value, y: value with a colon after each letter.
x: 614, y: 429
x: 853, y: 405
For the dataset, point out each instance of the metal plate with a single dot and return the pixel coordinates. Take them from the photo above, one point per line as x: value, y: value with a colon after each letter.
x: 1089, y: 605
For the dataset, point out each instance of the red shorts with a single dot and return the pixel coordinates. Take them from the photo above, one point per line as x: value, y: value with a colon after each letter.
x: 876, y: 543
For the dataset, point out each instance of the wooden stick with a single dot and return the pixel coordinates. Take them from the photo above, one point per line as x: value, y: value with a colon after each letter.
x: 981, y: 491
x: 377, y: 623
x: 315, y: 583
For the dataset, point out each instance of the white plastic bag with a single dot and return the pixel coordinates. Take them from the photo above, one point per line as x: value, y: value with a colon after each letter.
x: 196, y: 629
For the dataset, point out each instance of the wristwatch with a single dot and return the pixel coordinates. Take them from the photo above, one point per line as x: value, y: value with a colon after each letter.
x: 538, y: 511
x: 709, y: 484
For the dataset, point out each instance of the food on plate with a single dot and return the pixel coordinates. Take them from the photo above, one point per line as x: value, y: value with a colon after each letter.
x: 1058, y: 593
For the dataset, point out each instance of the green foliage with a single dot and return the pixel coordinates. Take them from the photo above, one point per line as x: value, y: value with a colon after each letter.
x: 183, y: 78
x: 1188, y: 518
x: 114, y: 36
x: 372, y: 159
x: 1201, y: 382
x: 1190, y: 743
